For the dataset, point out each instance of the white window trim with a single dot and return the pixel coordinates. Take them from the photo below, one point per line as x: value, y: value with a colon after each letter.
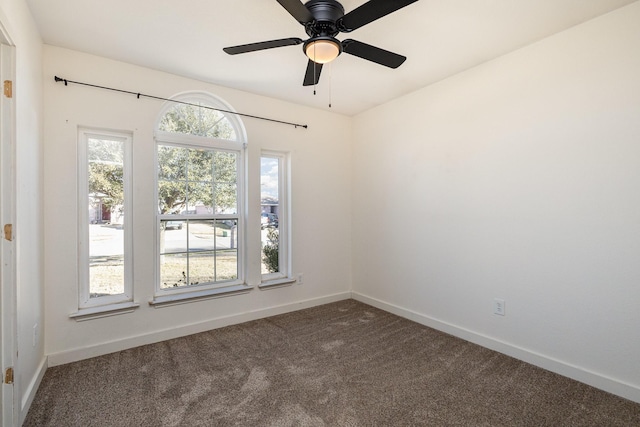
x: 104, y: 311
x: 277, y: 283
x: 163, y: 297
x: 194, y: 295
x: 284, y: 275
x: 112, y: 303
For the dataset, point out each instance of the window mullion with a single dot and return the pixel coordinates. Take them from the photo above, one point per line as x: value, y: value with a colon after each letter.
x: 215, y: 251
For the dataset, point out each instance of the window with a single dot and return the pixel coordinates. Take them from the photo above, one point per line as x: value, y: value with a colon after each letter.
x: 200, y: 190
x: 274, y: 216
x: 105, y: 218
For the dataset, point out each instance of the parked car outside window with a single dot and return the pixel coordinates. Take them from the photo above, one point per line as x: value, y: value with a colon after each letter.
x: 269, y: 220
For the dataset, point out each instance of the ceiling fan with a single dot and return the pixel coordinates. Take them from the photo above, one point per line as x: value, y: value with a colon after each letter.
x: 323, y: 20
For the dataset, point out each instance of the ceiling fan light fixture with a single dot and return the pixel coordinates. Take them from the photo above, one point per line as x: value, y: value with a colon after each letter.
x: 322, y: 50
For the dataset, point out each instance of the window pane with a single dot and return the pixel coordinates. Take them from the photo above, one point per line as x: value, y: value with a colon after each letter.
x: 197, y: 181
x: 227, y: 250
x: 106, y: 260
x: 172, y: 179
x: 269, y: 179
x: 226, y: 264
x: 270, y: 250
x: 172, y: 196
x: 173, y: 271
x: 106, y: 216
x: 202, y: 235
x: 199, y: 198
x: 226, y: 196
x: 200, y: 164
x: 173, y: 237
x: 270, y: 204
x: 202, y: 268
x: 226, y: 167
x: 172, y: 163
x: 200, y: 182
x: 193, y: 120
x: 198, y: 252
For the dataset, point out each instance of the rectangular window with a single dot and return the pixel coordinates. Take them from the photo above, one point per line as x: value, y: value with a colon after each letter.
x: 105, y: 218
x: 274, y: 216
x: 198, y: 218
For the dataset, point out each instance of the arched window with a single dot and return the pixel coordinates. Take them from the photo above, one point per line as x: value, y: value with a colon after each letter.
x: 200, y: 114
x: 199, y: 193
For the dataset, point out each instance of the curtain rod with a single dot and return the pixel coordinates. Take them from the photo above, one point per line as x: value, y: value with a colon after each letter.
x: 66, y: 82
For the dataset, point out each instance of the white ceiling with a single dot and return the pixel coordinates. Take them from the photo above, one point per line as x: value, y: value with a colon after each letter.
x: 439, y: 37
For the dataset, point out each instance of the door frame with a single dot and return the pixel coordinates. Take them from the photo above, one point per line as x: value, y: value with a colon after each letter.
x: 9, y: 404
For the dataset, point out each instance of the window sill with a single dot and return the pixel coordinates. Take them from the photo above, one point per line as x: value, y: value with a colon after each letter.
x: 187, y: 297
x: 277, y: 283
x: 104, y: 311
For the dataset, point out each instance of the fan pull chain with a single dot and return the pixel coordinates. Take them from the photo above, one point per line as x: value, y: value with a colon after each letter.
x: 314, y: 69
x: 330, y: 81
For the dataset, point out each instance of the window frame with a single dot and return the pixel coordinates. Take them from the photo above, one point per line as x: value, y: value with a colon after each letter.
x: 284, y: 273
x: 201, y: 290
x: 107, y: 302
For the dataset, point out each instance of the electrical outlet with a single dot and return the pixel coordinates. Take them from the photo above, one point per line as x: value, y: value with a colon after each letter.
x: 498, y: 307
x: 35, y: 334
x: 300, y: 278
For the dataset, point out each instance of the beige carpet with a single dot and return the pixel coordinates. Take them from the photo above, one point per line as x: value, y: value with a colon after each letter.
x: 341, y: 364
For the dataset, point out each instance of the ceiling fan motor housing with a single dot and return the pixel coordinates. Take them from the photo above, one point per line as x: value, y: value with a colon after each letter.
x: 323, y: 27
x: 325, y: 15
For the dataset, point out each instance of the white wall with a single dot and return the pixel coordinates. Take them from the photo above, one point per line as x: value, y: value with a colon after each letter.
x: 516, y: 179
x: 321, y: 158
x: 17, y: 19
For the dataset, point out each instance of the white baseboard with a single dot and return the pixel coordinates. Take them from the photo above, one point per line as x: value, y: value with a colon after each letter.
x: 82, y: 353
x: 32, y: 388
x: 611, y: 385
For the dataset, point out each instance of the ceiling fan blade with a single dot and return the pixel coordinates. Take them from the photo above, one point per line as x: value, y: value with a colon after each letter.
x: 372, y: 53
x: 252, y: 47
x: 312, y: 76
x: 369, y: 12
x: 297, y: 10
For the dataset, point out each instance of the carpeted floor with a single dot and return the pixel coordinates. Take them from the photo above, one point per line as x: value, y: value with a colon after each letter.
x: 341, y: 364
